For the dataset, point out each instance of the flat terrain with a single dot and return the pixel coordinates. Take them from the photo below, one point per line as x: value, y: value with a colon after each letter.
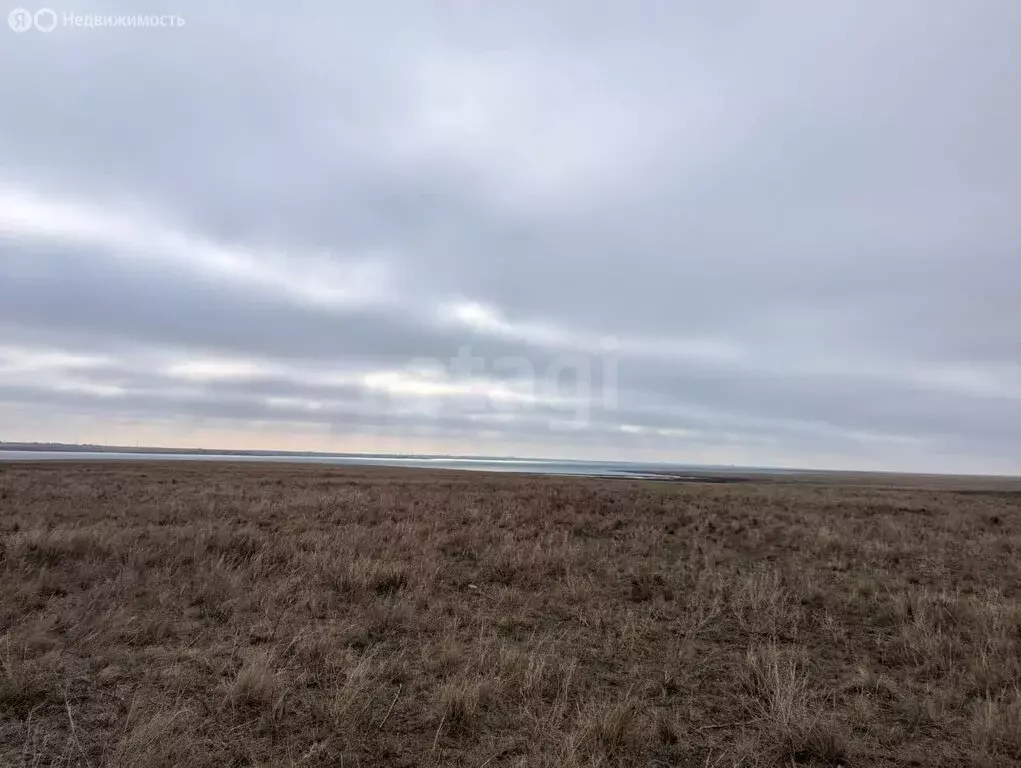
x: 233, y: 615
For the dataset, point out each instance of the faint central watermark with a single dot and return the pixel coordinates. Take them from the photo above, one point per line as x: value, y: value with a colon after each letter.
x: 563, y: 389
x: 46, y: 20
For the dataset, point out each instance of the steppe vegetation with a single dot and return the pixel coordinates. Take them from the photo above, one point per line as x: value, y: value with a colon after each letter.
x: 252, y: 615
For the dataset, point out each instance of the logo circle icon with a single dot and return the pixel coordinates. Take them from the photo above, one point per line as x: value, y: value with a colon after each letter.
x: 20, y: 20
x: 45, y: 19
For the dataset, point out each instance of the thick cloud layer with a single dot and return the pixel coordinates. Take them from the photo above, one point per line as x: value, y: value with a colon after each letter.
x: 784, y: 234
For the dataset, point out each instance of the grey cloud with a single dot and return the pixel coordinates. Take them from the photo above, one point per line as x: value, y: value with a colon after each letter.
x: 831, y: 190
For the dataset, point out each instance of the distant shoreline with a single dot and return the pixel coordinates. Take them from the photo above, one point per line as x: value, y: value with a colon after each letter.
x: 42, y: 453
x: 86, y: 448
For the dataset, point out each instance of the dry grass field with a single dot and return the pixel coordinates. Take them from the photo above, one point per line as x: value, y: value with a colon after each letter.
x: 255, y: 615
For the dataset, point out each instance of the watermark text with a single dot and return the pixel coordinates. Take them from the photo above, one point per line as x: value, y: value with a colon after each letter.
x: 46, y: 20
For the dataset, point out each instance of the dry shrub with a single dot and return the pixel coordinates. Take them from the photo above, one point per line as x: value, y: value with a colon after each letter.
x: 25, y: 684
x: 762, y: 605
x: 793, y: 729
x: 360, y: 694
x: 535, y: 673
x: 157, y: 739
x: 777, y: 682
x: 928, y: 632
x: 236, y: 546
x: 462, y: 703
x: 874, y: 684
x: 612, y: 733
x: 257, y: 684
x: 366, y: 575
x: 996, y: 724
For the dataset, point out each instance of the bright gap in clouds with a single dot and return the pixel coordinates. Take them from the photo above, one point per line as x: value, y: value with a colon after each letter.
x: 319, y: 278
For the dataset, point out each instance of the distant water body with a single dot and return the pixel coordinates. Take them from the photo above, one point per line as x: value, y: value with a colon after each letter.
x: 482, y: 464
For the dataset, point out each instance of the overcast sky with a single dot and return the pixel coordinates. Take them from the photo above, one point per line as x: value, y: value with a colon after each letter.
x: 760, y: 233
